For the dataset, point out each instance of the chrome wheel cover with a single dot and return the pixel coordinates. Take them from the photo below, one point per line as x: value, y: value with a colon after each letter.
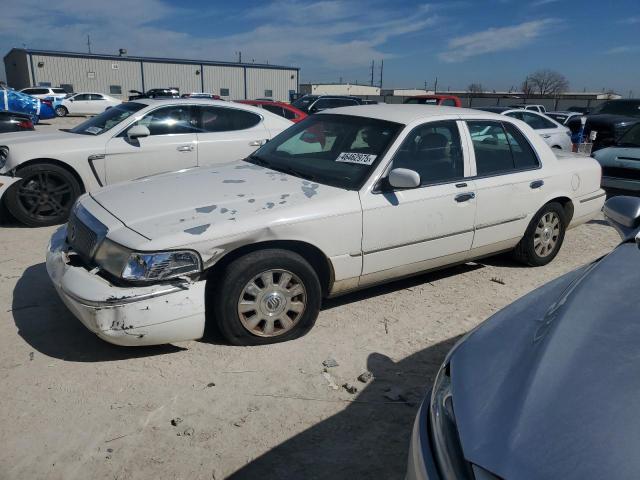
x: 272, y: 303
x: 546, y: 235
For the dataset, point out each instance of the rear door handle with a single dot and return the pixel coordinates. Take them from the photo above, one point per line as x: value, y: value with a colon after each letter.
x: 185, y: 148
x: 257, y: 143
x: 546, y: 135
x: 536, y: 184
x: 464, y: 197
x: 461, y: 185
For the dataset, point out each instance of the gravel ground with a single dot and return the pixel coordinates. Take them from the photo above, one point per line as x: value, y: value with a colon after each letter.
x: 73, y: 406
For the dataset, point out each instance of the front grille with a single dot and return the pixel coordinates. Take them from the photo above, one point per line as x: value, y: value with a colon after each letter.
x: 617, y: 172
x: 81, y: 239
x: 84, y: 233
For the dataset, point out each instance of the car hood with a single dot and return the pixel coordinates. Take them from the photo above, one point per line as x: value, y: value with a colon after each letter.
x: 201, y: 203
x: 33, y: 137
x: 549, y: 387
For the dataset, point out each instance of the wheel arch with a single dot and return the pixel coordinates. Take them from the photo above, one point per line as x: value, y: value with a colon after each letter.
x: 567, y: 205
x: 312, y: 254
x: 53, y: 161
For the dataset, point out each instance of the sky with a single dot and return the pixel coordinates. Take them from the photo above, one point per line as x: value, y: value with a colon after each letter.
x: 496, y: 43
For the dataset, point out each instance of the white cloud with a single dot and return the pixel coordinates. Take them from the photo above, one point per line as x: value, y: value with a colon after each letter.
x: 623, y: 49
x: 540, y: 3
x: 495, y: 40
x: 630, y: 20
x: 330, y: 33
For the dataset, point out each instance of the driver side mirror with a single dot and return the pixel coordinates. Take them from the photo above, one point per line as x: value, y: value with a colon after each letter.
x: 138, y: 131
x: 623, y: 213
x: 404, y: 178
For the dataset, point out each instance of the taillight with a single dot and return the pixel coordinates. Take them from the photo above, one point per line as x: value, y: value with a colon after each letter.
x: 48, y: 102
x: 26, y: 124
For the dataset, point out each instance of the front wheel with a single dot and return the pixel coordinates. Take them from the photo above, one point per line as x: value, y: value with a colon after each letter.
x: 44, y: 195
x: 544, y: 236
x: 267, y: 296
x: 61, y: 111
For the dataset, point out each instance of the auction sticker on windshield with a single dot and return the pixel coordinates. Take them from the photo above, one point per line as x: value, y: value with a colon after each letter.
x: 94, y: 130
x: 359, y: 158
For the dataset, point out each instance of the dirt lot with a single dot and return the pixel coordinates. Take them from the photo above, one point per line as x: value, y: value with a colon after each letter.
x: 73, y: 406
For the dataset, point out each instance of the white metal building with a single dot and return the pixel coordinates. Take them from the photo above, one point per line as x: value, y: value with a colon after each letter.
x: 338, y: 89
x: 117, y: 74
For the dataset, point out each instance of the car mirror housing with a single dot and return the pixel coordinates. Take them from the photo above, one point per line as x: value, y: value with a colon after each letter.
x: 623, y: 213
x: 404, y: 178
x: 138, y: 131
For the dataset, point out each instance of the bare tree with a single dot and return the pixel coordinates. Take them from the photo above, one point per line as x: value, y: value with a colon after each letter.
x: 475, y: 88
x: 545, y: 82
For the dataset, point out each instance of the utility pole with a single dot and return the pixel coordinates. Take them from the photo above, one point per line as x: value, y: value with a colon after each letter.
x: 381, y: 68
x: 435, y: 86
x: 425, y: 85
x: 373, y: 63
x: 239, y: 57
x: 89, y: 43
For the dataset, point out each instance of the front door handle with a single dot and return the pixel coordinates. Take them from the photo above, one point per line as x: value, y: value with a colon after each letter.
x: 185, y: 148
x: 257, y: 143
x: 464, y: 197
x: 536, y: 184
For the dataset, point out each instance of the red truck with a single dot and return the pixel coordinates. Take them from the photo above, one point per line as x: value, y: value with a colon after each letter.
x: 443, y: 100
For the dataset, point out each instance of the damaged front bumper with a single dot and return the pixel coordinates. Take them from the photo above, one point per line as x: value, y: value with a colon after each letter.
x: 132, y: 315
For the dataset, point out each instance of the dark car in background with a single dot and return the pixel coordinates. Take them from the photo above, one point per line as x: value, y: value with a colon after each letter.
x: 171, y: 92
x: 14, y: 122
x: 548, y: 387
x: 316, y: 103
x: 607, y: 123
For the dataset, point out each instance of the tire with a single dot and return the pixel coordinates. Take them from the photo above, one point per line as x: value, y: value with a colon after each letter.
x: 248, y: 316
x: 44, y: 196
x: 544, y: 236
x: 61, y: 111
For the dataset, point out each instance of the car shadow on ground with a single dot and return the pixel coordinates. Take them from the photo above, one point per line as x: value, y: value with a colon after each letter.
x: 369, y: 438
x: 49, y: 327
x: 398, y: 285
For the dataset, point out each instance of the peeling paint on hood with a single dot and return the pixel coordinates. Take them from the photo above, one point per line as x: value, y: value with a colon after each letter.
x: 182, y: 203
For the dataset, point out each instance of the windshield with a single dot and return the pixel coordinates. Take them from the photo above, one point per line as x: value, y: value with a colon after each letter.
x: 619, y: 107
x: 107, y: 119
x: 631, y: 138
x: 303, y: 102
x: 337, y: 150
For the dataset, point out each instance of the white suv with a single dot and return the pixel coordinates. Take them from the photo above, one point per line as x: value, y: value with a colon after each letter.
x: 44, y: 92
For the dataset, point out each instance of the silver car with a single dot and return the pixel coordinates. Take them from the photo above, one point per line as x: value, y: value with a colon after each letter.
x: 548, y: 387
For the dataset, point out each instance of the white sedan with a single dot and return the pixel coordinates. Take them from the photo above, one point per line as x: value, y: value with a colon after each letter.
x: 554, y: 134
x: 345, y: 199
x: 128, y: 141
x: 86, y: 104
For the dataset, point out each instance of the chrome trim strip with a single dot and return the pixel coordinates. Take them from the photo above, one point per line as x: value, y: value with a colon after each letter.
x: 501, y: 222
x: 419, y: 241
x: 119, y: 301
x: 593, y: 198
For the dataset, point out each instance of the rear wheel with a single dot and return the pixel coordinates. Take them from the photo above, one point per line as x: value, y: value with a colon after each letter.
x: 267, y: 296
x: 44, y: 196
x: 61, y: 111
x: 544, y: 236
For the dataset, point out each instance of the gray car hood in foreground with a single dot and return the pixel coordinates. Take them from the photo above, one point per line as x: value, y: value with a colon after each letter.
x: 557, y: 396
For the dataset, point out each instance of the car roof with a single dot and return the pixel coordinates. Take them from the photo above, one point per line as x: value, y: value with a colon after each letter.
x: 173, y: 101
x: 406, y: 113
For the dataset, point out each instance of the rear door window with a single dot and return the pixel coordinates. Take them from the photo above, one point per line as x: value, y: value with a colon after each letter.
x: 221, y: 119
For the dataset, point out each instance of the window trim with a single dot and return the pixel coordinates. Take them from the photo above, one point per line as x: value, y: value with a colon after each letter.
x: 466, y: 160
x: 472, y: 151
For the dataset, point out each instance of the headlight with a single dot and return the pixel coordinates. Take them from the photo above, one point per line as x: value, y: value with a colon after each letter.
x: 4, y: 154
x: 447, y: 448
x: 146, y: 266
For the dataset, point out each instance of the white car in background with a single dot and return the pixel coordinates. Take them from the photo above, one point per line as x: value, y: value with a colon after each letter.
x: 347, y: 198
x: 554, y: 134
x: 128, y: 141
x: 86, y: 104
x: 45, y: 92
x: 563, y: 117
x: 534, y: 108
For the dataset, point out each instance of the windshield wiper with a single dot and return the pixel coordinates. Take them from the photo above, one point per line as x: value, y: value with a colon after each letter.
x: 294, y: 172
